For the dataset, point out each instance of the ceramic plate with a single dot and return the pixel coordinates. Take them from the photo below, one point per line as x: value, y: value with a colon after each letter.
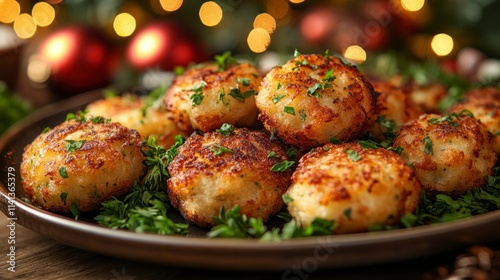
x: 198, y: 251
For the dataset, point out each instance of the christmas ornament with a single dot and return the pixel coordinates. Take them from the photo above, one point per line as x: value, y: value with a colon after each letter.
x: 79, y: 58
x: 164, y: 44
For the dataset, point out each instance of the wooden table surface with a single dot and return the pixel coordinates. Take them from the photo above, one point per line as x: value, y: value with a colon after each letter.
x: 39, y: 257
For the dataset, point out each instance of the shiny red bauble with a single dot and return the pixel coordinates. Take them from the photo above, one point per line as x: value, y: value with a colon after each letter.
x: 79, y: 58
x: 164, y: 45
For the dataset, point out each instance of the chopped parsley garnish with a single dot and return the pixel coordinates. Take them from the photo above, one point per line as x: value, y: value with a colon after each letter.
x: 428, y: 145
x: 272, y: 154
x: 353, y: 155
x: 289, y: 110
x: 224, y: 60
x: 277, y: 98
x: 314, y: 90
x: 291, y: 153
x: 73, y: 145
x: 278, y: 86
x: 197, y: 96
x: 303, y: 115
x: 221, y: 96
x: 79, y: 117
x: 145, y: 208
x: 241, y: 96
x: 225, y: 129
x: 334, y: 140
x: 63, y: 172
x: 243, y: 81
x: 219, y: 150
x: 233, y: 224
x: 347, y: 213
x: 287, y: 199
x: 64, y: 195
x: 45, y: 130
x: 74, y: 210
x: 368, y: 144
x: 449, y: 118
x: 282, y: 166
x: 154, y: 99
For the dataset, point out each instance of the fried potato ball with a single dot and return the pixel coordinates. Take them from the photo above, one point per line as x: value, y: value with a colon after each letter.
x: 428, y: 96
x: 214, y: 171
x: 205, y: 97
x: 450, y: 153
x: 312, y: 98
x: 394, y: 108
x: 484, y: 104
x: 354, y: 186
x: 133, y: 112
x: 82, y: 164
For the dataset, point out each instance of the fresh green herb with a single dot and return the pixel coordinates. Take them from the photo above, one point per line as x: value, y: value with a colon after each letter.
x: 64, y: 195
x: 74, y: 210
x: 278, y: 87
x: 334, y: 140
x: 303, y: 115
x: 225, y: 129
x: 391, y: 130
x: 289, y: 110
x: 197, y: 96
x: 233, y: 224
x: 327, y: 53
x: 154, y: 99
x: 224, y: 60
x: 443, y: 208
x: 282, y: 166
x: 157, y: 161
x: 109, y: 93
x: 428, y: 145
x: 273, y: 154
x: 45, y: 130
x: 219, y: 150
x: 353, y: 155
x: 329, y: 77
x: 145, y: 208
x: 278, y: 98
x: 368, y: 144
x: 243, y: 81
x: 81, y: 116
x: 73, y: 145
x: 449, y: 118
x: 347, y: 213
x: 63, y: 172
x: 12, y: 107
x: 141, y: 211
x: 291, y: 153
x: 222, y: 98
x: 241, y: 96
x: 287, y: 199
x: 179, y: 70
x: 296, y: 53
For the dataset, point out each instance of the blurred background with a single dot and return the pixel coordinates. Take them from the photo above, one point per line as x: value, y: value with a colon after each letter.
x: 54, y: 49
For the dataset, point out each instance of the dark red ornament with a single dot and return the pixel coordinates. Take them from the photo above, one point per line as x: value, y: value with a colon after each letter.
x: 80, y: 59
x: 164, y: 45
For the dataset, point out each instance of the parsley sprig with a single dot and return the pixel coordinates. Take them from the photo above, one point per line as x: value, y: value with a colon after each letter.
x: 145, y: 208
x: 233, y: 224
x: 444, y: 208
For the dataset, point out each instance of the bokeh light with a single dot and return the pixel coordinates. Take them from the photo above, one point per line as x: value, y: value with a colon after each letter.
x: 124, y: 24
x: 210, y: 13
x: 277, y: 8
x: 265, y: 21
x: 258, y: 40
x: 58, y: 48
x: 442, y: 44
x: 43, y: 13
x: 171, y: 5
x: 317, y: 24
x: 38, y: 70
x: 412, y: 5
x: 25, y: 26
x: 296, y: 1
x: 355, y: 54
x: 9, y: 10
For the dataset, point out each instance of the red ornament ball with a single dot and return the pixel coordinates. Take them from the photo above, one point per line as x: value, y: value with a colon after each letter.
x: 164, y: 44
x: 80, y: 59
